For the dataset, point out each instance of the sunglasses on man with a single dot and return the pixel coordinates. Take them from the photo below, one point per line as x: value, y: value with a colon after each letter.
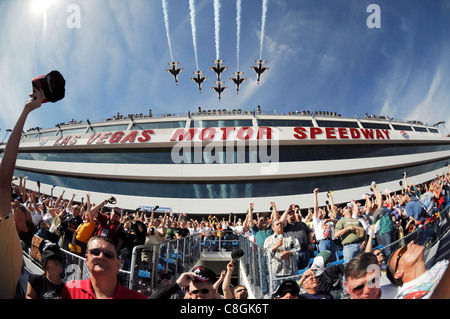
x: 240, y: 290
x: 203, y: 291
x: 400, y: 254
x: 96, y: 252
x: 360, y: 288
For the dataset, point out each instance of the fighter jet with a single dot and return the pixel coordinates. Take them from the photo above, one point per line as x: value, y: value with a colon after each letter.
x: 259, y: 69
x: 238, y: 80
x: 199, y: 79
x: 219, y: 88
x: 174, y: 71
x: 218, y: 68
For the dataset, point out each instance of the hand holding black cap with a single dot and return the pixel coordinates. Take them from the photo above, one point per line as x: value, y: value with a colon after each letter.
x: 52, y: 84
x: 236, y: 254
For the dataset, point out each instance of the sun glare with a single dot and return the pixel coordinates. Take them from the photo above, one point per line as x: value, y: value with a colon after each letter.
x: 41, y: 6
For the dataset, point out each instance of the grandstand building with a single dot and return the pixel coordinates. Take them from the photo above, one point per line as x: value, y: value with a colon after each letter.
x: 219, y: 161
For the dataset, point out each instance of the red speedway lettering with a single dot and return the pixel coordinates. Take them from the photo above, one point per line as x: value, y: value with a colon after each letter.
x: 302, y: 133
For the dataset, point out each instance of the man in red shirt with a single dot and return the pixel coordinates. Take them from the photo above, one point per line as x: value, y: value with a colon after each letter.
x: 108, y: 225
x: 104, y: 265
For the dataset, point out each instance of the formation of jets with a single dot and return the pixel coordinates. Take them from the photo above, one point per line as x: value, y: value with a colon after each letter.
x: 218, y: 68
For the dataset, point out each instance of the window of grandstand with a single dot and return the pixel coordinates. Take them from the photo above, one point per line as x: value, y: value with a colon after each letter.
x: 420, y: 129
x: 433, y: 130
x: 290, y: 123
x: 402, y: 127
x: 159, y: 125
x: 47, y: 134
x: 30, y: 135
x: 109, y: 128
x: 222, y: 123
x: 337, y: 124
x: 373, y: 125
x: 72, y: 131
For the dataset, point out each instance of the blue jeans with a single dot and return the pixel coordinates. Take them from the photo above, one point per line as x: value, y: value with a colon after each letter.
x: 350, y: 251
x: 388, y: 238
x: 327, y: 244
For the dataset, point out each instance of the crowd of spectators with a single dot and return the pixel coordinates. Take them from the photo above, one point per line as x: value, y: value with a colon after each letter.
x: 351, y: 229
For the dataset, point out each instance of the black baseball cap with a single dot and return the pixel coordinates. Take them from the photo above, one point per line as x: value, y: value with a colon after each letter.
x: 53, y: 85
x: 287, y: 286
x: 204, y: 274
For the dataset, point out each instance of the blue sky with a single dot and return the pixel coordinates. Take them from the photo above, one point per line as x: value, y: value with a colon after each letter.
x: 321, y: 54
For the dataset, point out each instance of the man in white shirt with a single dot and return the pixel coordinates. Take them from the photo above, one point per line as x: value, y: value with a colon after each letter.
x: 406, y: 269
x: 283, y: 250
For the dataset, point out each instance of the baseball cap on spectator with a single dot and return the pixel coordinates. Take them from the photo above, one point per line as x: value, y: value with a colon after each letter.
x: 320, y: 262
x: 50, y: 254
x: 204, y: 274
x: 50, y: 251
x: 287, y: 286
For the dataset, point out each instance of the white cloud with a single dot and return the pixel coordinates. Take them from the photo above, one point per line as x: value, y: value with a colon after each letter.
x: 435, y: 106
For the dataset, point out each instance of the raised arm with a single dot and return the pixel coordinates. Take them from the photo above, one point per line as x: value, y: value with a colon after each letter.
x: 250, y: 215
x: 283, y: 217
x: 71, y: 201
x: 316, y: 203
x: 274, y: 215
x: 245, y: 226
x: 10, y: 154
x: 227, y: 293
x: 58, y: 201
x: 333, y: 207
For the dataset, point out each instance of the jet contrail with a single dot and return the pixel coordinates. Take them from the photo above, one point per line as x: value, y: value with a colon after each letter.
x: 263, y: 25
x: 238, y: 30
x: 217, y: 25
x: 194, y: 29
x: 166, y: 21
